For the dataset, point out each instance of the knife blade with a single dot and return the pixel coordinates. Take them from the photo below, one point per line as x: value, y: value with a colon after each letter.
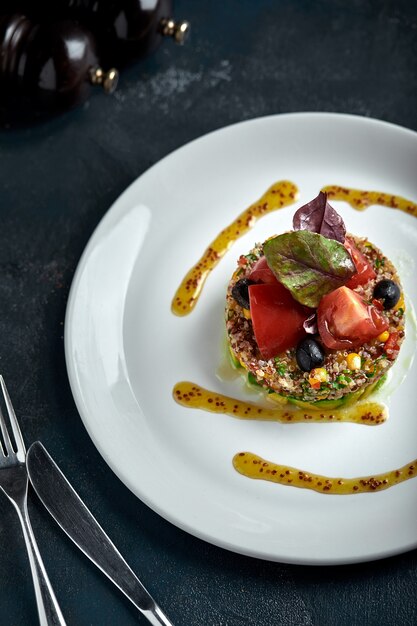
x: 72, y: 515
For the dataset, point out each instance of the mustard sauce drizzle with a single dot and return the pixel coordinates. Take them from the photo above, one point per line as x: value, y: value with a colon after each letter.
x: 191, y: 395
x: 253, y: 466
x: 360, y: 200
x: 278, y: 196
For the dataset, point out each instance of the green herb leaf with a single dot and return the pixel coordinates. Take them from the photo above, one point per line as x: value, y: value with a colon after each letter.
x: 252, y: 380
x: 280, y: 366
x: 308, y: 264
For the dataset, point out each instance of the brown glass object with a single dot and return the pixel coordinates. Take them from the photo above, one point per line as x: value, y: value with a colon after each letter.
x: 53, y: 51
x: 125, y: 29
x: 47, y: 67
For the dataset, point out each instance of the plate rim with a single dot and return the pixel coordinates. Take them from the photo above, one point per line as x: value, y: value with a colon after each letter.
x: 112, y: 211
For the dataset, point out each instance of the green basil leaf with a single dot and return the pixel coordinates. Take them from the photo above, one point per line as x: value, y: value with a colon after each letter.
x: 308, y: 264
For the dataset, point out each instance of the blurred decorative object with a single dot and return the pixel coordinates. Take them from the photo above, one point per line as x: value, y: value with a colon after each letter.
x: 53, y: 51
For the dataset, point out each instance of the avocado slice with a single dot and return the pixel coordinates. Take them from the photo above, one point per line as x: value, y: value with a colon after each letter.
x: 346, y: 400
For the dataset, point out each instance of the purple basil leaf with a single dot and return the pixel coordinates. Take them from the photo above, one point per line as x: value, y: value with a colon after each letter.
x: 310, y: 324
x: 319, y: 217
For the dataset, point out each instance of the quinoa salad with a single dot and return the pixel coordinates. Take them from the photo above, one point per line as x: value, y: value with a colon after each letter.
x: 330, y: 342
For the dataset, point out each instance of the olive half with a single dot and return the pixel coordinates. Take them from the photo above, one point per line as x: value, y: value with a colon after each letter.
x: 388, y: 291
x: 240, y: 291
x: 309, y: 354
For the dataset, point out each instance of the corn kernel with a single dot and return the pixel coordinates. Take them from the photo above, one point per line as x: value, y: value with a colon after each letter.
x: 317, y: 376
x: 383, y: 336
x: 354, y: 361
x: 246, y: 313
x: 369, y: 365
x: 320, y: 373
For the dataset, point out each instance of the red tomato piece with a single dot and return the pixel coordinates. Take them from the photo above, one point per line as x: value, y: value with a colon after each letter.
x: 364, y: 269
x: 345, y: 320
x: 262, y: 273
x: 392, y: 346
x: 277, y: 318
x: 377, y: 304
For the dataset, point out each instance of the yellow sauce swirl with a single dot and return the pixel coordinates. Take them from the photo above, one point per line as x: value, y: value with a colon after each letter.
x: 193, y: 396
x: 254, y: 466
x: 280, y: 195
x: 361, y: 200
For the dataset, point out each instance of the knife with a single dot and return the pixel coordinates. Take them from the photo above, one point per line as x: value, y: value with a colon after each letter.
x: 70, y: 512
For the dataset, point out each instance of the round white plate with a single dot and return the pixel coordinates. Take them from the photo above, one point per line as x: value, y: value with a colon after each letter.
x: 125, y: 350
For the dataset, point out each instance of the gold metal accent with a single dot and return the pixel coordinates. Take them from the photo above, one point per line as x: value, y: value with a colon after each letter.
x: 179, y: 31
x: 108, y: 80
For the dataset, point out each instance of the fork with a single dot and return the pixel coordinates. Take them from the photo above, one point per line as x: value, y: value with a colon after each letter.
x: 14, y: 483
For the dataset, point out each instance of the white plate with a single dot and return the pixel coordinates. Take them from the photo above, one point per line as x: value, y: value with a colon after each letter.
x: 125, y: 350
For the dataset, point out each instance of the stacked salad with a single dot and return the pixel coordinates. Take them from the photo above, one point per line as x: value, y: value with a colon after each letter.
x: 315, y: 315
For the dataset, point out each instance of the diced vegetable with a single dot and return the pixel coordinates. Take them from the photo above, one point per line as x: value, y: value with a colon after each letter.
x: 276, y: 317
x: 353, y: 360
x: 392, y: 346
x: 364, y: 270
x: 317, y: 377
x: 346, y: 321
x: 262, y: 273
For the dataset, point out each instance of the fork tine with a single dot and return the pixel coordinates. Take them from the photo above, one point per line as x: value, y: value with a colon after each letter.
x: 7, y: 444
x: 20, y: 445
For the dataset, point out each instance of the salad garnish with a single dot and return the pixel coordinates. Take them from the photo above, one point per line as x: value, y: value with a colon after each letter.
x: 318, y: 216
x: 308, y: 264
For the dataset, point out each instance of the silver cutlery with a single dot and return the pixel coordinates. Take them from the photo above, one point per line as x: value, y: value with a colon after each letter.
x: 72, y: 515
x: 14, y: 483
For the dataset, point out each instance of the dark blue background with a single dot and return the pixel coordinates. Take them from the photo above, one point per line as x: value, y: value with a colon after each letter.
x: 245, y: 59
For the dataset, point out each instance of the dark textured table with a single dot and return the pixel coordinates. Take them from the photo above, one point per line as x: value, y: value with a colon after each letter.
x: 57, y: 179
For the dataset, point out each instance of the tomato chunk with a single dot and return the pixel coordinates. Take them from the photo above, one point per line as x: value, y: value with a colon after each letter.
x: 277, y: 318
x: 262, y: 273
x: 344, y: 320
x: 364, y: 269
x: 392, y: 346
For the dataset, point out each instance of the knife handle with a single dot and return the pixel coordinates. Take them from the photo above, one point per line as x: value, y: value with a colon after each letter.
x: 156, y: 617
x: 89, y: 536
x: 49, y: 611
x: 111, y: 563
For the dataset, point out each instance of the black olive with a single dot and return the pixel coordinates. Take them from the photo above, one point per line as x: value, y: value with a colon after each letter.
x: 387, y: 291
x: 240, y: 292
x: 309, y: 354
